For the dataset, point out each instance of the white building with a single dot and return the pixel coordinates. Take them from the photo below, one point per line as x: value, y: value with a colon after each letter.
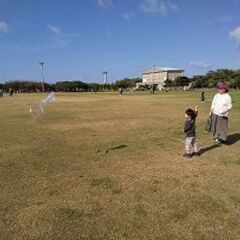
x: 157, y: 76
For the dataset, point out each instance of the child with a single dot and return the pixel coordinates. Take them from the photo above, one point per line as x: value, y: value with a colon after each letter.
x: 190, y: 131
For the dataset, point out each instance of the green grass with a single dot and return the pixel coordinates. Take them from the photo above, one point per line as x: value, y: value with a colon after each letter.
x: 104, y: 166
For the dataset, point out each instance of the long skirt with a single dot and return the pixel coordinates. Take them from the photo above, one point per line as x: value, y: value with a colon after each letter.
x: 219, y: 127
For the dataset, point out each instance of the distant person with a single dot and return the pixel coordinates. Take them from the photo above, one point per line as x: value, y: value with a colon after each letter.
x: 191, y: 148
x: 11, y: 92
x: 153, y: 89
x: 221, y: 105
x: 202, y: 96
x: 120, y: 90
x: 1, y: 93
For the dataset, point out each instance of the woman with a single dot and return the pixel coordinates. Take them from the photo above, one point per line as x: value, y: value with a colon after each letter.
x: 221, y: 105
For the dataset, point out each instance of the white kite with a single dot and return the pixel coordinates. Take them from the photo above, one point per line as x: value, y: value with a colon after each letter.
x: 37, y: 109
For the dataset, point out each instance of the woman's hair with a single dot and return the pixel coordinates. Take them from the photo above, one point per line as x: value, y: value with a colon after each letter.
x: 191, y: 113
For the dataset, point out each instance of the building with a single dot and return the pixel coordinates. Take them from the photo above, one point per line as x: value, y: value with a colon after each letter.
x: 157, y: 76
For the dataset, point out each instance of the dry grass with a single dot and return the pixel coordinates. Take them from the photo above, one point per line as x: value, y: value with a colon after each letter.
x: 103, y: 166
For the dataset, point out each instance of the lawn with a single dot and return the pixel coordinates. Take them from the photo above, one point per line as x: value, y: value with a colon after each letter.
x: 104, y: 166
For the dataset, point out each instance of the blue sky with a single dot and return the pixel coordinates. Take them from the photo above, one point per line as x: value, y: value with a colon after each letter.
x: 77, y: 39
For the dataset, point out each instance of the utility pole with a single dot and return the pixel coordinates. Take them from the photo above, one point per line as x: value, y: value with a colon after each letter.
x: 42, y: 75
x: 105, y: 76
x: 153, y: 79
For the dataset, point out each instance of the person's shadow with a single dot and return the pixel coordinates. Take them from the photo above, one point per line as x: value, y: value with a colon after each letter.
x: 230, y: 141
x: 209, y: 148
x: 233, y: 138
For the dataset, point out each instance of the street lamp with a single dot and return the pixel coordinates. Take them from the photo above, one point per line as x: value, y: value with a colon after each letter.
x: 42, y: 75
x: 153, y: 79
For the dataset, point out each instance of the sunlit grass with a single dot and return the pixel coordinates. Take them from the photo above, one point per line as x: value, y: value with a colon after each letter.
x: 104, y: 166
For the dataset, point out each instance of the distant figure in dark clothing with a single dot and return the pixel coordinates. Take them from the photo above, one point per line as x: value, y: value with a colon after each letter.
x: 190, y: 132
x: 11, y: 92
x: 1, y: 93
x: 120, y: 91
x: 203, y: 96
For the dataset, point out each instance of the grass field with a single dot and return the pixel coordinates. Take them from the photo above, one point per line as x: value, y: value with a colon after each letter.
x: 104, y: 166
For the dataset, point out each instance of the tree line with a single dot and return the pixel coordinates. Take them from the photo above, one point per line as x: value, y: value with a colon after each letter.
x: 209, y: 80
x: 68, y: 86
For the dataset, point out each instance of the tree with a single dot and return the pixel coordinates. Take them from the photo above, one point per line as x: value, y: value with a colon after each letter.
x: 199, y: 81
x: 220, y: 75
x: 71, y: 86
x: 126, y: 83
x: 23, y: 86
x: 181, y: 81
x: 168, y: 83
x: 235, y: 82
x: 95, y: 87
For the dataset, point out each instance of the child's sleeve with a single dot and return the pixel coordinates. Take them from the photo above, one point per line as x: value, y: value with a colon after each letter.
x: 196, y: 113
x: 187, y: 126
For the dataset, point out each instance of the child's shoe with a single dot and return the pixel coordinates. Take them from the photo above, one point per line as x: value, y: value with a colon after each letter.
x: 217, y: 142
x: 196, y: 154
x: 187, y: 155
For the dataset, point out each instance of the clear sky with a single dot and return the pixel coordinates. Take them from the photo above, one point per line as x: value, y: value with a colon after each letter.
x: 77, y: 39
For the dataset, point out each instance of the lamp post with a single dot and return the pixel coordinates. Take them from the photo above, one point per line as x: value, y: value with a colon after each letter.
x: 105, y: 76
x: 153, y: 79
x: 42, y: 75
